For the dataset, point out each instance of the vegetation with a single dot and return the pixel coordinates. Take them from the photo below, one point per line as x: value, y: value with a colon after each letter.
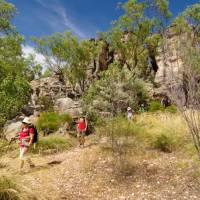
x: 51, y: 121
x: 115, y: 90
x: 14, y: 87
x: 53, y: 144
x: 8, y: 189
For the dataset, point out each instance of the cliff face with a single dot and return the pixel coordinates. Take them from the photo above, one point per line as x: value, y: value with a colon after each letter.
x: 169, y: 76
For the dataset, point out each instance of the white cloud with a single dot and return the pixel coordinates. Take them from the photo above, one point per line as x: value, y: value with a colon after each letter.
x: 61, y: 18
x: 39, y: 58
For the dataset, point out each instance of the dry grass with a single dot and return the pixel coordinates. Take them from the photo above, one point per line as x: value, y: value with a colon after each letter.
x: 156, y: 125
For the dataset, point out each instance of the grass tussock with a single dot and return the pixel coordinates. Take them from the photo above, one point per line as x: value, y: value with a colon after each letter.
x: 53, y: 144
x: 8, y: 189
x: 163, y: 131
x: 5, y: 147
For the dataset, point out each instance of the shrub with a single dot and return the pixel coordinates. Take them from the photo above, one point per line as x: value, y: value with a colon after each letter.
x: 63, y: 118
x: 155, y: 106
x: 171, y: 109
x: 51, y: 121
x: 46, y: 103
x: 53, y: 143
x: 48, y: 120
x: 8, y: 189
x: 164, y: 143
x: 93, y: 120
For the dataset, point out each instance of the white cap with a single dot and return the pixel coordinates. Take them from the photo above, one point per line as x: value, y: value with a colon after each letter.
x: 26, y: 120
x: 129, y: 108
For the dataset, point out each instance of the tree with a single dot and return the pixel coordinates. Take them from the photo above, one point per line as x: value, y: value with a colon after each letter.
x: 14, y: 87
x: 137, y: 33
x: 115, y: 91
x: 68, y: 57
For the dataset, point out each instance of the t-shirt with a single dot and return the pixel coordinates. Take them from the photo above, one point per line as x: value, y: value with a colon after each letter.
x: 82, y: 125
x: 130, y: 115
x: 25, y: 132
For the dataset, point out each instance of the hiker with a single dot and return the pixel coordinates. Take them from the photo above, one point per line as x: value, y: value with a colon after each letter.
x: 129, y: 113
x: 142, y: 108
x: 26, y: 140
x: 165, y: 102
x: 81, y: 130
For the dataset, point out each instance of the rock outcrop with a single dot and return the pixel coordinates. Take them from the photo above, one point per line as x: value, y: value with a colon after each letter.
x: 67, y: 105
x: 170, y: 76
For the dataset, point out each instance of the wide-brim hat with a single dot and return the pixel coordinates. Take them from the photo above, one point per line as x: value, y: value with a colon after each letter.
x: 26, y: 120
x: 129, y: 108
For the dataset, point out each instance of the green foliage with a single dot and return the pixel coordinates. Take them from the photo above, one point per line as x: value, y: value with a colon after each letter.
x: 137, y: 34
x: 65, y: 118
x: 71, y: 56
x: 8, y: 189
x: 114, y: 91
x: 93, y: 120
x: 117, y: 129
x: 7, y: 12
x: 47, y: 73
x: 34, y: 71
x: 53, y: 143
x: 171, y: 109
x: 14, y: 86
x: 155, y: 106
x: 51, y: 121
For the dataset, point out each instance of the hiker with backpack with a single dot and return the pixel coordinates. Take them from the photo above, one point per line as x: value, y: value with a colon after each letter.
x: 27, y: 137
x: 81, y: 131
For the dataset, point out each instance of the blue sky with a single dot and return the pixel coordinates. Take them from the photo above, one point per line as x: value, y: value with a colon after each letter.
x: 83, y: 17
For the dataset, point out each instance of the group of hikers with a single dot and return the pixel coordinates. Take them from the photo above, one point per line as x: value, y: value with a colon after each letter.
x: 28, y: 138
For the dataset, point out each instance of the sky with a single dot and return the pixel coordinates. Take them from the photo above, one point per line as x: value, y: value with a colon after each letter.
x: 83, y: 17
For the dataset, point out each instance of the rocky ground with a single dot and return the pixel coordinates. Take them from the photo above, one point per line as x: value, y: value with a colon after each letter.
x: 90, y: 173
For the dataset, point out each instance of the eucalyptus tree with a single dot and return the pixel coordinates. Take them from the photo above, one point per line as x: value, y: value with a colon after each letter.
x: 137, y: 33
x: 68, y: 57
x: 14, y: 87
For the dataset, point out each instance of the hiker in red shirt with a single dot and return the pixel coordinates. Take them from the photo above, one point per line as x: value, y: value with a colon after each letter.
x: 25, y: 137
x: 81, y: 130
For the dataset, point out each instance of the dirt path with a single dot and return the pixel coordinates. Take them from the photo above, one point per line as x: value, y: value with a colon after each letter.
x: 89, y: 174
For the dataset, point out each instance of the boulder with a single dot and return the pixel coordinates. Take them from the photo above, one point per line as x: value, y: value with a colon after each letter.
x: 67, y: 105
x: 10, y: 130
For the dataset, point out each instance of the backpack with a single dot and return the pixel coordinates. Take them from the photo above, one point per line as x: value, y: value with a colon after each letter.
x: 35, y: 137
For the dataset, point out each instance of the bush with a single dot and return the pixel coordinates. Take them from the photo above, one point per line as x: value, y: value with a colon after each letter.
x: 63, y: 118
x: 171, y: 109
x: 8, y: 190
x: 53, y: 143
x: 46, y: 103
x: 51, y: 121
x: 164, y: 143
x: 93, y: 120
x: 118, y: 127
x: 155, y: 106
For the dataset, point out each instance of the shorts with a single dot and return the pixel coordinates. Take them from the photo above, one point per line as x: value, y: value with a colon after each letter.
x: 81, y: 133
x: 22, y: 153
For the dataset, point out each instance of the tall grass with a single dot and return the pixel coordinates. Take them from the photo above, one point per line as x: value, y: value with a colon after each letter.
x: 8, y: 189
x: 53, y: 144
x: 163, y: 131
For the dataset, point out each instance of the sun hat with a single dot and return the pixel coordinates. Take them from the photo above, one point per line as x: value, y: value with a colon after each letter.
x: 26, y: 120
x: 129, y: 108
